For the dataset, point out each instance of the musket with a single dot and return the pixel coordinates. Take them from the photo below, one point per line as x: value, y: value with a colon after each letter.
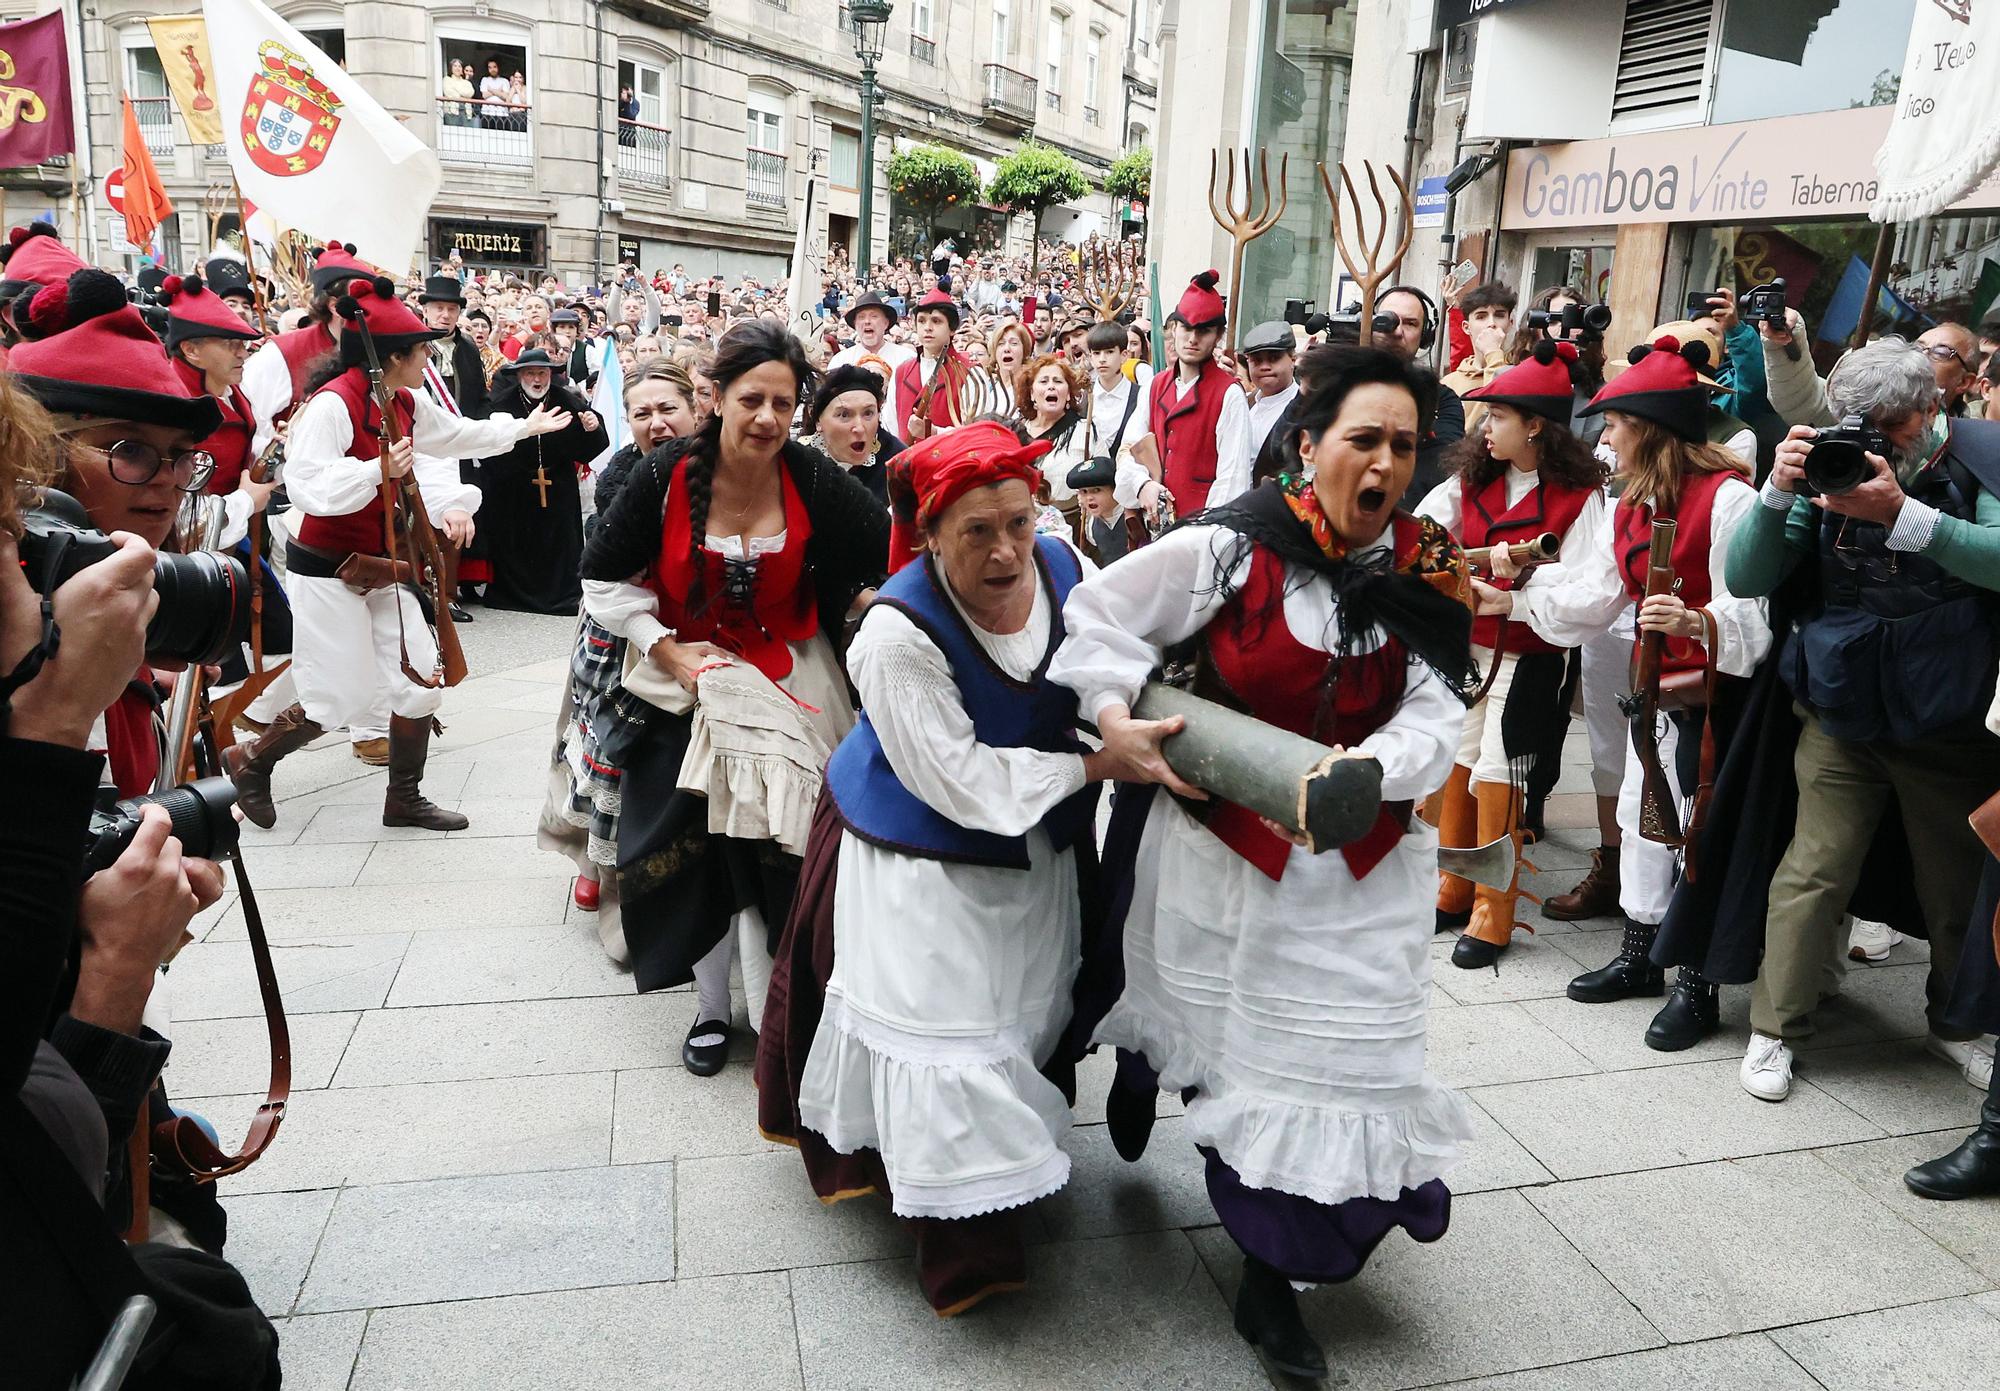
x: 403, y: 514
x: 1659, y: 815
x: 1538, y: 551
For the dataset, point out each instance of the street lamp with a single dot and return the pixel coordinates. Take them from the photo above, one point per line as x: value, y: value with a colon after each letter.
x: 871, y: 20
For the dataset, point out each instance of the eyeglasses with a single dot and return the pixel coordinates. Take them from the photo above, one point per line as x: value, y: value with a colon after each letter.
x: 137, y: 463
x: 1943, y: 352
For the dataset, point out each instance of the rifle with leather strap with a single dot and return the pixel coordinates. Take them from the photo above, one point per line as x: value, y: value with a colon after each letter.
x: 922, y: 409
x: 259, y: 679
x: 1659, y: 816
x: 403, y: 515
x: 1536, y: 550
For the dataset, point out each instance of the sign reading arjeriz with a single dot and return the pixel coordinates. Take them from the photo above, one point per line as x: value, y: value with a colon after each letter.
x: 488, y: 243
x: 1765, y: 171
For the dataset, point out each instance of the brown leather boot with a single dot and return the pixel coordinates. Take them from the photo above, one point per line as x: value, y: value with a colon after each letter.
x: 1596, y: 894
x: 406, y: 805
x: 249, y: 765
x: 1457, y: 825
x: 1492, y: 925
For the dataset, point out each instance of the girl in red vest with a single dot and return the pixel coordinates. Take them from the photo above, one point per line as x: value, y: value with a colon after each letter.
x: 1287, y: 992
x: 1524, y: 475
x: 1655, y: 421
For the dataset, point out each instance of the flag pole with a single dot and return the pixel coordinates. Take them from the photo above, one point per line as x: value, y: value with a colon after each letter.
x: 1877, y: 273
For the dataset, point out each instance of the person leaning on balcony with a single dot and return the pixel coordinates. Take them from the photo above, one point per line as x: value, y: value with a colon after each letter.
x: 517, y: 102
x: 457, y: 92
x: 494, y: 88
x: 628, y: 112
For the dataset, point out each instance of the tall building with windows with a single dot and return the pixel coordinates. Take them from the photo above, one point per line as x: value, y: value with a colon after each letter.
x: 662, y: 132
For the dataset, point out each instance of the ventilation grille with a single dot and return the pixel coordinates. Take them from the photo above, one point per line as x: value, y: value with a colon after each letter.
x: 1662, y: 57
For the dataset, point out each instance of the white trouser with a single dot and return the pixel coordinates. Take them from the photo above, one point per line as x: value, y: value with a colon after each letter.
x: 346, y: 649
x: 1480, y: 746
x: 1646, y: 869
x: 1607, y: 667
x: 278, y: 697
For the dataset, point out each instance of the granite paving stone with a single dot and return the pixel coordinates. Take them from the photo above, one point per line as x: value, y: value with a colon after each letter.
x: 1749, y: 1244
x: 1946, y: 1346
x: 1530, y: 969
x: 1494, y: 1159
x: 1897, y: 1085
x: 1613, y: 1035
x: 272, y: 1238
x: 487, y: 964
x: 1483, y: 1044
x: 1106, y: 1196
x: 1749, y: 1361
x: 749, y: 1212
x: 669, y: 1113
x: 495, y: 1234
x: 214, y: 1056
x: 1969, y: 1230
x: 449, y: 1043
x: 304, y: 866
x: 439, y: 860
x: 218, y: 980
x: 293, y: 914
x: 317, y: 1351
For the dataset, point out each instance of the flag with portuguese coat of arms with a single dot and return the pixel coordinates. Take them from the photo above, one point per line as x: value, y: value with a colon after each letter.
x: 308, y: 144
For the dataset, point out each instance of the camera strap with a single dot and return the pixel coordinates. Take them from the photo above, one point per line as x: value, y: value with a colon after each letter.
x: 45, y: 648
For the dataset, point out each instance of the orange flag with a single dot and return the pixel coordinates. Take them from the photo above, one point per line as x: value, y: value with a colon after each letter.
x: 146, y: 201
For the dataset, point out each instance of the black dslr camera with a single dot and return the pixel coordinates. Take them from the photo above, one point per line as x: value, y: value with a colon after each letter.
x: 202, y: 813
x: 1837, y: 462
x: 204, y: 609
x: 1299, y: 314
x: 1765, y: 306
x: 1574, y: 320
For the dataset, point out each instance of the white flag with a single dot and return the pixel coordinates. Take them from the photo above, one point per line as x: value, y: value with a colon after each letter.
x: 607, y: 403
x: 309, y: 146
x: 1945, y: 137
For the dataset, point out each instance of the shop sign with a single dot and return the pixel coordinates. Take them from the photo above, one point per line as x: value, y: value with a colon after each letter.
x: 1452, y: 12
x: 488, y: 243
x: 1778, y: 170
x: 1430, y: 203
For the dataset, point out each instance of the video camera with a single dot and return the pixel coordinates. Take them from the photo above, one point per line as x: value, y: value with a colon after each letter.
x: 1765, y: 306
x: 1590, y: 320
x: 202, y: 813
x: 1837, y: 462
x: 1299, y: 313
x: 204, y: 609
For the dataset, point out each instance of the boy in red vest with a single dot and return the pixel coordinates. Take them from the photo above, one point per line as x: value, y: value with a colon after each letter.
x: 351, y: 640
x: 932, y: 386
x: 207, y: 343
x: 1198, y: 416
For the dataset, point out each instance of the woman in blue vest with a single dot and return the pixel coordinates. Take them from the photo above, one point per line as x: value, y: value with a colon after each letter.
x: 942, y: 874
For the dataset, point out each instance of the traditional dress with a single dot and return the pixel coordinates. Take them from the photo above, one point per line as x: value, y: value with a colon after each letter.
x: 943, y: 884
x: 1286, y: 993
x: 1200, y: 425
x: 531, y: 509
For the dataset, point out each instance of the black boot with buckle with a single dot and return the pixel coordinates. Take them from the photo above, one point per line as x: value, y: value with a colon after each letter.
x: 1690, y: 1014
x: 1631, y: 973
x: 1267, y: 1315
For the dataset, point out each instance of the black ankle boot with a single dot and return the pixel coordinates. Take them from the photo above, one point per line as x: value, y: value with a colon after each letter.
x: 1129, y: 1114
x: 1267, y: 1315
x: 1631, y: 973
x: 1689, y: 1015
x: 1474, y: 953
x: 1971, y: 1170
x: 1452, y: 922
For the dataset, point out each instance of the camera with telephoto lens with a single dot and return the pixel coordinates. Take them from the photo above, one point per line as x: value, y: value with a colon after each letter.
x: 1342, y: 325
x: 204, y: 609
x: 1765, y: 305
x: 1574, y: 319
x: 202, y: 812
x: 1299, y: 313
x: 1838, y: 460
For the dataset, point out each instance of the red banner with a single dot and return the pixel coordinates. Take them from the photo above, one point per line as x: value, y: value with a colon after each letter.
x: 35, y: 121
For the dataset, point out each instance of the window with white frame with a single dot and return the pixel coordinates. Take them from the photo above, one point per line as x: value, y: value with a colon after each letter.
x: 324, y: 27
x: 146, y: 85
x: 1002, y: 31
x: 765, y: 181
x: 495, y: 129
x: 1092, y: 52
x: 844, y: 158
x: 920, y: 18
x: 1052, y: 77
x: 1142, y: 27
x: 643, y: 137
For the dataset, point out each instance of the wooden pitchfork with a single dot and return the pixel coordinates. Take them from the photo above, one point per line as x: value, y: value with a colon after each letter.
x: 1249, y: 224
x: 1371, y: 250
x: 1109, y: 276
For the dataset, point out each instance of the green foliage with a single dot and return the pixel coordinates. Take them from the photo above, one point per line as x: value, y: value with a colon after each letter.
x: 1036, y: 177
x: 1131, y: 178
x: 932, y: 178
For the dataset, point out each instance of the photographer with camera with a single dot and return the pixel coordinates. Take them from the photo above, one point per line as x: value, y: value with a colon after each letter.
x: 1798, y: 395
x: 1891, y: 521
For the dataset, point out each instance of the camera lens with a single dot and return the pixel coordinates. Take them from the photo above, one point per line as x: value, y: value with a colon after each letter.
x: 204, y: 610
x: 202, y: 813
x: 1835, y: 466
x: 1597, y: 317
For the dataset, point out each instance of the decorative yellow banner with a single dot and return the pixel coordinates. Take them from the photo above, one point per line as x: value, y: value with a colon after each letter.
x: 182, y: 42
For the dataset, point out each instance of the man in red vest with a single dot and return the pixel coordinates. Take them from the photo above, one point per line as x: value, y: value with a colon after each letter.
x: 1198, y: 446
x: 353, y: 633
x: 932, y: 387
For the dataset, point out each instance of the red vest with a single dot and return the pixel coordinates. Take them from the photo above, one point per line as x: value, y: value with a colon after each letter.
x: 781, y: 607
x: 944, y: 401
x: 301, y: 348
x: 132, y: 738
x: 1632, y: 543
x: 1184, y: 432
x: 1484, y: 519
x: 1281, y: 681
x: 356, y: 531
x: 229, y: 446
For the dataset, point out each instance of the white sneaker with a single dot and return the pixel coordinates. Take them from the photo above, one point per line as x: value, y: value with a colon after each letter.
x: 1767, y: 1069
x: 1973, y: 1058
x: 1871, y: 941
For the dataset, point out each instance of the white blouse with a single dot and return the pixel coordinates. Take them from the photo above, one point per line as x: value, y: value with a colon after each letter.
x: 1585, y: 536
x: 324, y: 480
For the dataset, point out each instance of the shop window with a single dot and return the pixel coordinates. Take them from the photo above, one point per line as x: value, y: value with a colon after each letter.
x: 1782, y: 60
x: 495, y: 128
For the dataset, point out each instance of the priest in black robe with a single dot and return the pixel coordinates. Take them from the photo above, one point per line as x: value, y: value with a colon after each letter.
x: 531, y: 514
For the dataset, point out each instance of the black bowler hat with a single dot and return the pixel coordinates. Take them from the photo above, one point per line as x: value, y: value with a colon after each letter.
x: 530, y: 357
x: 871, y: 300
x: 442, y: 289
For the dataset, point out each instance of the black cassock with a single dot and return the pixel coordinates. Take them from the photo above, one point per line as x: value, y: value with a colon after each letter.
x: 531, y: 514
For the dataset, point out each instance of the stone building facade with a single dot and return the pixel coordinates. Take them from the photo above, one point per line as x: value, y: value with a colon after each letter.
x: 661, y: 131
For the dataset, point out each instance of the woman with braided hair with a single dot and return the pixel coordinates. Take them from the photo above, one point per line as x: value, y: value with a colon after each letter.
x: 730, y: 561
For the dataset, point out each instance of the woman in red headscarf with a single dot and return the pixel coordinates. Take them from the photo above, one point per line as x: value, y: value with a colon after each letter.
x: 925, y: 1062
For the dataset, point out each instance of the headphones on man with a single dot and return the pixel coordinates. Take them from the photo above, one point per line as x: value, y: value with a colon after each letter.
x: 1430, y: 311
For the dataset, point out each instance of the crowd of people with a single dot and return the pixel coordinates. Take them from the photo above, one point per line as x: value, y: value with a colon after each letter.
x: 868, y: 610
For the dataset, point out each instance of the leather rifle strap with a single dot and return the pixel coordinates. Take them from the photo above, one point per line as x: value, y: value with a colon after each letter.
x: 1704, y: 791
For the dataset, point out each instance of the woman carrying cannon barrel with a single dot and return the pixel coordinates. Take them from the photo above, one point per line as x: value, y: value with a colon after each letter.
x: 1655, y: 421
x: 1521, y: 476
x: 912, y: 1043
x: 1286, y: 993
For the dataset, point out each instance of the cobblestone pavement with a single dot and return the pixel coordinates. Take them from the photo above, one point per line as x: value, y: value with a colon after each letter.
x: 495, y: 1172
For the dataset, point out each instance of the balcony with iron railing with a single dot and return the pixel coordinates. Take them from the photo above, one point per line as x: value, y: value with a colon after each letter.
x: 1052, y: 99
x: 156, y: 123
x: 764, y: 182
x: 922, y: 49
x: 490, y: 134
x: 1010, y: 96
x: 643, y: 152
x: 1092, y: 117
